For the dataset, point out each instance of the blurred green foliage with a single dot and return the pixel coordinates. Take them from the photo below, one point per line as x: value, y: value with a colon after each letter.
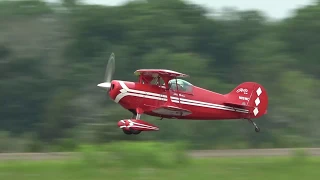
x: 293, y: 168
x: 52, y: 56
x: 136, y: 155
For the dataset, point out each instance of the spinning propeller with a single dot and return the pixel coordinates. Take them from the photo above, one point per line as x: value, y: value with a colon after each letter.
x: 109, y: 73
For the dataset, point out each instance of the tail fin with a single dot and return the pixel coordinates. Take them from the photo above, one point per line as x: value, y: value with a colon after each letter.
x: 252, y: 96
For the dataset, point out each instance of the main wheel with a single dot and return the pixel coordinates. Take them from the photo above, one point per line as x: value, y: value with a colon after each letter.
x: 135, y: 131
x: 126, y: 132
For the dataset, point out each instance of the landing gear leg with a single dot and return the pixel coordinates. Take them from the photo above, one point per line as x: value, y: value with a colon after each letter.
x: 256, y: 128
x: 135, y: 115
x: 136, y: 131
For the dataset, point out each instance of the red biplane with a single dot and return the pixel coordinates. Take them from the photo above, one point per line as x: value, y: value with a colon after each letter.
x: 162, y: 93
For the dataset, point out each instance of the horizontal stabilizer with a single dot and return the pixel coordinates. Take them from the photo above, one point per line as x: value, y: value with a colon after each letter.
x: 170, y: 110
x: 236, y: 105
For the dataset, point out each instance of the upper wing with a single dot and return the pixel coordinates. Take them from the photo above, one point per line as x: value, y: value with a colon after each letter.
x: 157, y: 72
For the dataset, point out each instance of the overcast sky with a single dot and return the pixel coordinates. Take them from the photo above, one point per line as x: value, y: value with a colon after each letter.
x: 272, y: 8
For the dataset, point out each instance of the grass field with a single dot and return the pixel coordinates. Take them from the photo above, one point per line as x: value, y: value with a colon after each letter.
x: 159, y: 161
x: 271, y: 168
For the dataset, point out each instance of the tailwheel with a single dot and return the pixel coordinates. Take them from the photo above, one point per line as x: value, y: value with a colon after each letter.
x: 256, y: 128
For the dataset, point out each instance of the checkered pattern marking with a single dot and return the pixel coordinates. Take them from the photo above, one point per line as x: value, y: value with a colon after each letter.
x: 257, y: 102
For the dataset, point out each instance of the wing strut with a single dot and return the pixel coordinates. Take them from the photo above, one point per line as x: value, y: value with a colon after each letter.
x: 166, y: 80
x: 177, y: 90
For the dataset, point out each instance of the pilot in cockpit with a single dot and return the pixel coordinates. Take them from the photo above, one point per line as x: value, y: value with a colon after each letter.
x: 174, y: 83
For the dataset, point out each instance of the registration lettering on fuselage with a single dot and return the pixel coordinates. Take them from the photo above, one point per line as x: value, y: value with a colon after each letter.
x: 180, y: 95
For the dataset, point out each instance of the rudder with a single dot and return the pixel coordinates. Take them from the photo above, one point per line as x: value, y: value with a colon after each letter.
x: 251, y: 95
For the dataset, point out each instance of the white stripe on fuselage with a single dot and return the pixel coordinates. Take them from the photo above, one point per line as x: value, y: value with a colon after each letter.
x: 125, y: 91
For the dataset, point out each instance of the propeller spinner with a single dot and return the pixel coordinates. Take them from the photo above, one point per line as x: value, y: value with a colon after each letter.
x: 109, y: 73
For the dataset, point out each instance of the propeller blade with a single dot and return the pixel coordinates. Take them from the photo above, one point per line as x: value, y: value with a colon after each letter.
x: 109, y: 73
x: 110, y: 68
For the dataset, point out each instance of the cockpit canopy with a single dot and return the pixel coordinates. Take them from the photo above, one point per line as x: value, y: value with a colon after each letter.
x: 180, y: 85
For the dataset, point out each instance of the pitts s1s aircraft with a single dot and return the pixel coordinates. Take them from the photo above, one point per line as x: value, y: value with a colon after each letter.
x: 163, y: 93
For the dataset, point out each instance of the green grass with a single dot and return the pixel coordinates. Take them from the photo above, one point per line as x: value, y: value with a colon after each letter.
x: 271, y: 168
x: 160, y: 161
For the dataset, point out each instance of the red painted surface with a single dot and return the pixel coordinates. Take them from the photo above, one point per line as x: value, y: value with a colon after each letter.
x: 201, y: 103
x: 157, y: 93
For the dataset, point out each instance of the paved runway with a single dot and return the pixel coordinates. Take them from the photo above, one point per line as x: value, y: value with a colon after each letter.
x: 253, y: 152
x: 195, y: 154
